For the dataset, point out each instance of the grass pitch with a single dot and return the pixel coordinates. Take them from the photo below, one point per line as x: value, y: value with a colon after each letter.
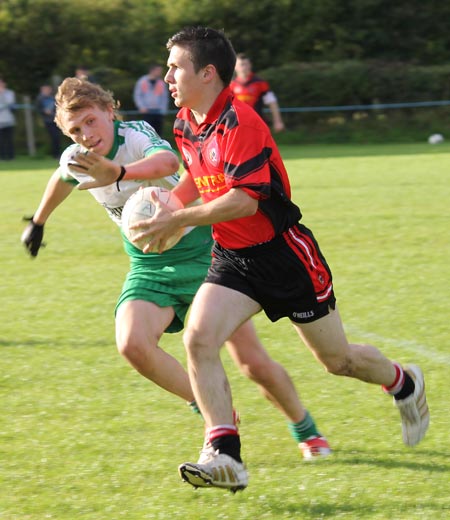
x: 82, y: 436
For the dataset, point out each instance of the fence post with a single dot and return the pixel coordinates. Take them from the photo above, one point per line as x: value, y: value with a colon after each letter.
x: 29, y: 129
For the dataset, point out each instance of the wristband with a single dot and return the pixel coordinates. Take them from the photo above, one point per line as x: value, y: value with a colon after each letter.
x: 122, y: 173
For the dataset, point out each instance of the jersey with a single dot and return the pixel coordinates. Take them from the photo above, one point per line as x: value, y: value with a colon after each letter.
x: 251, y: 92
x: 133, y: 140
x: 172, y: 278
x: 233, y: 148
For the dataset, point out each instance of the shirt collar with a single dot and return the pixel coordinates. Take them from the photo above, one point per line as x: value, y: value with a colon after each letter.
x: 245, y: 81
x: 215, y: 110
x: 112, y: 153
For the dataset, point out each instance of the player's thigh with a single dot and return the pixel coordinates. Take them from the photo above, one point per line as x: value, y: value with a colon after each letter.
x: 140, y: 321
x: 325, y: 337
x: 217, y: 312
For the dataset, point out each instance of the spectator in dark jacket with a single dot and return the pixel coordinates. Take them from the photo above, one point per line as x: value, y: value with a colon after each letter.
x: 45, y: 104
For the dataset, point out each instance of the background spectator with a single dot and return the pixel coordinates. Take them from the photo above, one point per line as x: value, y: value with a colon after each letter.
x: 45, y: 104
x: 151, y: 97
x: 255, y: 91
x: 7, y: 122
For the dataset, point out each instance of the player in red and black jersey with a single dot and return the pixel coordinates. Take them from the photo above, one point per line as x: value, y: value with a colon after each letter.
x: 255, y: 91
x: 263, y: 257
x: 255, y: 166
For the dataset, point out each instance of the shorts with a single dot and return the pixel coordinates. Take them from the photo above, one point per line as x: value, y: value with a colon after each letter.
x: 172, y: 278
x: 288, y: 276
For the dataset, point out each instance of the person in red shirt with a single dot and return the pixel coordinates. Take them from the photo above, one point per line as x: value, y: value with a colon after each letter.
x: 263, y: 257
x: 255, y: 91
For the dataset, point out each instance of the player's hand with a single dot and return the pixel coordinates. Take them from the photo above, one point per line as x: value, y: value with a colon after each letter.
x: 32, y: 237
x: 278, y: 126
x: 158, y: 229
x: 103, y: 171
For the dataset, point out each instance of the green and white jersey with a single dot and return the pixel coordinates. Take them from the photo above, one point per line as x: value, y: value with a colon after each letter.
x: 133, y: 140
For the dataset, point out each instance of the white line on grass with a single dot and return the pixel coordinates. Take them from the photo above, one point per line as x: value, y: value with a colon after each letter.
x: 412, y: 346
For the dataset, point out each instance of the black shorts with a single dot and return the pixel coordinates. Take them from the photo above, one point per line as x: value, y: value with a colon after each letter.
x: 288, y: 276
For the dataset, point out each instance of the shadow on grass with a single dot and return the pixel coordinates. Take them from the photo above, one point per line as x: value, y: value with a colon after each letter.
x: 356, y: 510
x: 52, y: 343
x: 324, y: 151
x: 355, y: 458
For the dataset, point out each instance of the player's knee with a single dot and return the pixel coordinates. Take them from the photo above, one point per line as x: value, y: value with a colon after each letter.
x: 131, y: 349
x: 126, y: 348
x: 247, y: 371
x: 191, y: 340
x: 257, y: 370
x: 338, y: 366
x: 198, y: 345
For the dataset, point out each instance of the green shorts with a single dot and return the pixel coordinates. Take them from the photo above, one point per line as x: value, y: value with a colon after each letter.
x: 172, y: 278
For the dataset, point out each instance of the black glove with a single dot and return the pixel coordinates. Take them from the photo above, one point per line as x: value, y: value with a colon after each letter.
x: 32, y: 236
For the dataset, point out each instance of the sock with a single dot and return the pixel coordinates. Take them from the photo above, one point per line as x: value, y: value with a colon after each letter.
x: 194, y: 407
x: 301, y: 430
x: 399, y: 380
x: 224, y: 438
x: 407, y: 389
x: 403, y: 385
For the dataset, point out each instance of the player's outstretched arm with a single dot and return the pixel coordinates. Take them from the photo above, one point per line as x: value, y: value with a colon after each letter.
x: 271, y: 101
x: 159, y: 164
x: 55, y: 193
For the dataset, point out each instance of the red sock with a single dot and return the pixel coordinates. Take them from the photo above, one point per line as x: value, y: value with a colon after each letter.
x: 398, y: 383
x: 220, y: 431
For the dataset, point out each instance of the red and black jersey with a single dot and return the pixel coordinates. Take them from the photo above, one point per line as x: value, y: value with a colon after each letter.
x: 233, y: 148
x: 251, y: 91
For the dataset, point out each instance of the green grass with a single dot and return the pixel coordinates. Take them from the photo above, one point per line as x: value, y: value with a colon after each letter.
x: 82, y: 436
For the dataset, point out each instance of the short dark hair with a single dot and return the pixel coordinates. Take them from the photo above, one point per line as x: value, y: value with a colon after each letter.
x: 207, y: 47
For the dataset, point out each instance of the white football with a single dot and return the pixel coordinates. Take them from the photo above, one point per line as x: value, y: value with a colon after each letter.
x: 140, y: 206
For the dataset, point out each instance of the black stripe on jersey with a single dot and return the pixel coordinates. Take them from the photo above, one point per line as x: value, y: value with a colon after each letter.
x: 244, y: 169
x: 180, y: 126
x: 227, y: 119
x: 183, y: 131
x: 279, y: 208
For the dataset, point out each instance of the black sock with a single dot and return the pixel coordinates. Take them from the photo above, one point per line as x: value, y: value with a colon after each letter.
x: 228, y: 444
x: 407, y: 388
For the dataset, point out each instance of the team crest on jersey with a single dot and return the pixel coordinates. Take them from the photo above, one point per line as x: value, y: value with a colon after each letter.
x: 187, y: 156
x: 212, y: 153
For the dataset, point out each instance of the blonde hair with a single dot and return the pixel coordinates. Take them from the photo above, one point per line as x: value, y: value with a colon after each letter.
x: 76, y: 94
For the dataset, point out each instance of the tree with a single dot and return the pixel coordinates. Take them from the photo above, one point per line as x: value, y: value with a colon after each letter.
x: 41, y: 38
x: 32, y: 41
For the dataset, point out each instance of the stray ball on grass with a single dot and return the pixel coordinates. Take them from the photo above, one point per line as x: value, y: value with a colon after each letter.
x: 140, y: 206
x: 436, y: 138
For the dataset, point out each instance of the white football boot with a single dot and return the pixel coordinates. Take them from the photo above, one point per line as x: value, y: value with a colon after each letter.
x: 414, y: 409
x: 215, y: 470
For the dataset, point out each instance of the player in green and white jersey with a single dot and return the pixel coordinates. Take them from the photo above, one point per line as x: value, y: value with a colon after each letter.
x: 159, y: 287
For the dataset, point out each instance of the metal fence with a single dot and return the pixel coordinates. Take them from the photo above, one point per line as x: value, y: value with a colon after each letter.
x: 29, y: 108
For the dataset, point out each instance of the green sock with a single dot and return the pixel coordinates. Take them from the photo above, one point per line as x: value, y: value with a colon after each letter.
x: 300, y: 431
x: 194, y: 407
